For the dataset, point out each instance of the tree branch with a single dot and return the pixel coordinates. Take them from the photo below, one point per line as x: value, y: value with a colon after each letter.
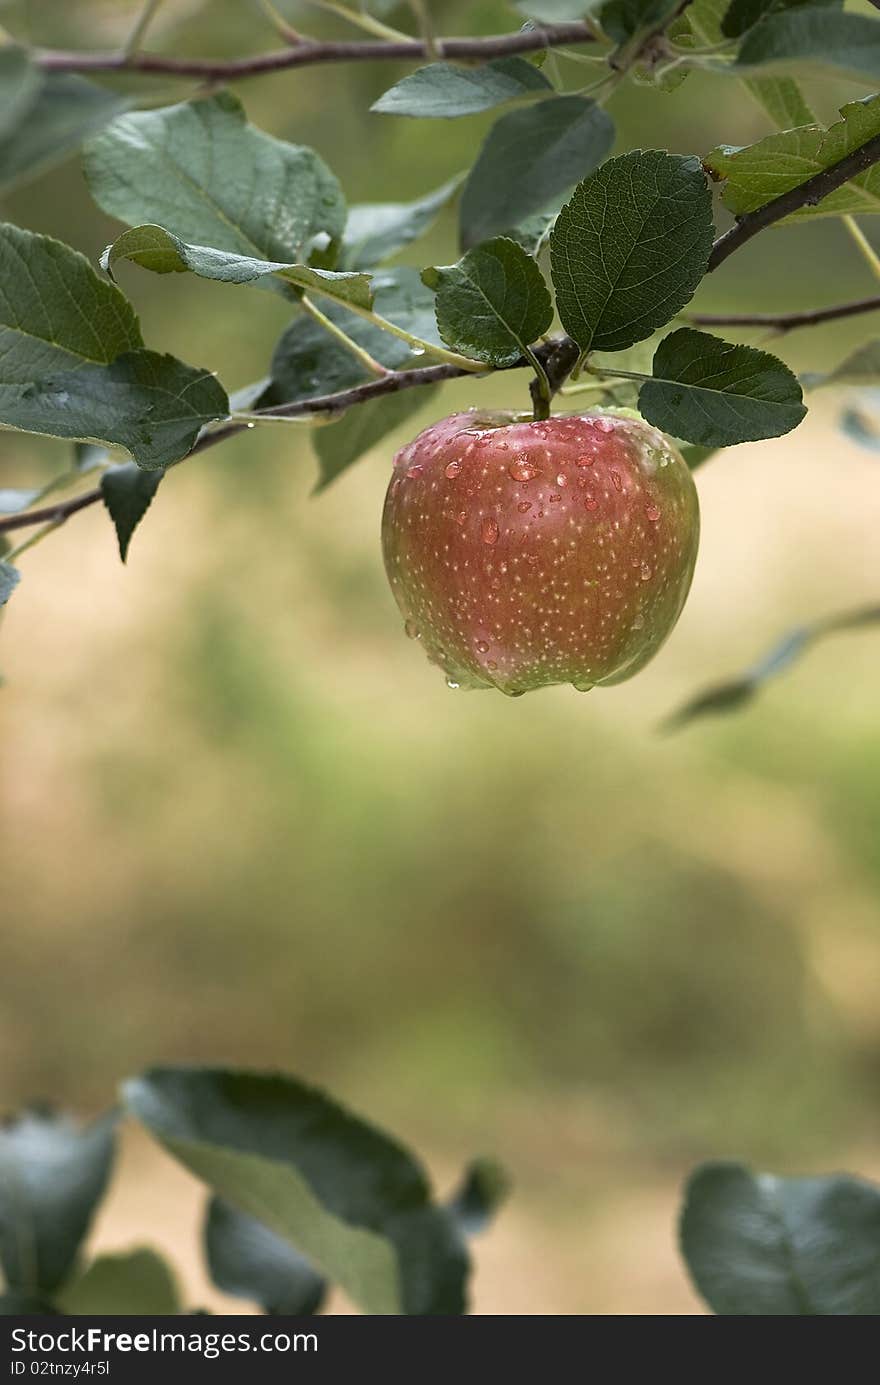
x: 310, y: 51
x: 807, y: 194
x: 787, y: 322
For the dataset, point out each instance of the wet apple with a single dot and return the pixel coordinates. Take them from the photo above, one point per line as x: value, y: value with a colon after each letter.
x: 523, y: 554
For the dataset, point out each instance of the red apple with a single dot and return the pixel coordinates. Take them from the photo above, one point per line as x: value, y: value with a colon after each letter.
x: 525, y: 554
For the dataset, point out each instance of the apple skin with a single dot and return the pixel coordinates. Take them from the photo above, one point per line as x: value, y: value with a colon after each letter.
x: 523, y: 554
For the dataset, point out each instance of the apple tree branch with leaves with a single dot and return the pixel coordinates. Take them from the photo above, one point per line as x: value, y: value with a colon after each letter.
x: 551, y: 544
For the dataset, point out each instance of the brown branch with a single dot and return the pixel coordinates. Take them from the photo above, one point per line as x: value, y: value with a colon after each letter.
x: 787, y: 322
x: 309, y: 52
x: 807, y: 194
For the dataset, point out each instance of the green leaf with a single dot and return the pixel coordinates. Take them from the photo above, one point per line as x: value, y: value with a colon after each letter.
x: 774, y: 165
x: 757, y: 1244
x: 19, y: 1305
x: 19, y: 84
x: 56, y: 312
x: 445, y: 90
x: 708, y: 391
x: 630, y: 248
x: 861, y: 367
x: 342, y: 443
x: 249, y: 1261
x: 154, y: 248
x: 348, y: 1198
x: 66, y: 111
x: 782, y: 99
x: 9, y: 580
x: 308, y: 361
x: 736, y: 692
x: 529, y: 159
x: 556, y: 11
x: 742, y: 14
x: 483, y: 1189
x: 813, y: 38
x: 377, y: 230
x: 200, y: 170
x: 127, y: 492
x: 623, y: 19
x: 52, y: 1176
x: 493, y: 304
x: 152, y: 405
x: 134, y: 1283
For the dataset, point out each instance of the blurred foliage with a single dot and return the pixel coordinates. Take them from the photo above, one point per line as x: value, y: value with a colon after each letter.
x: 240, y: 821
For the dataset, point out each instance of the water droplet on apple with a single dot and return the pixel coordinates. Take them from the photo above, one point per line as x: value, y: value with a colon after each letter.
x: 586, y: 461
x: 645, y: 573
x: 412, y: 630
x: 653, y: 513
x: 451, y: 683
x: 414, y: 471
x: 491, y: 665
x: 489, y: 530
x: 604, y: 425
x: 482, y: 647
x: 524, y: 506
x: 561, y: 480
x: 615, y: 477
x: 523, y: 470
x: 591, y: 503
x: 452, y: 470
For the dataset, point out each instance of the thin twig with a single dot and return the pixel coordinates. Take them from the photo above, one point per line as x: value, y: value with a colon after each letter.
x: 310, y: 52
x: 807, y: 194
x: 787, y: 322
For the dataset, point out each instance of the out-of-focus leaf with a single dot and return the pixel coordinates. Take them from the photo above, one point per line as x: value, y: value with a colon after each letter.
x: 759, y: 1245
x: 812, y: 38
x: 135, y: 1283
x: 623, y: 19
x: 737, y: 692
x: 249, y: 1261
x: 66, y: 111
x: 446, y: 90
x: 529, y: 159
x: 19, y: 84
x: 342, y: 443
x: 375, y: 231
x: 9, y: 580
x: 52, y: 1176
x: 484, y: 1187
x: 350, y: 1199
x: 493, y: 303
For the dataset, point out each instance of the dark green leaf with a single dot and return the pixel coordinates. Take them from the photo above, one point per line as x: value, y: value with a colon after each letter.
x: 715, y: 394
x: 556, y: 11
x: 483, y: 1189
x: 493, y: 304
x: 127, y: 492
x: 444, y: 90
x: 9, y: 580
x: 66, y: 111
x: 695, y: 456
x: 738, y: 691
x: 56, y: 312
x: 200, y: 170
x: 249, y: 1261
x: 623, y: 19
x: 52, y: 1175
x: 529, y: 159
x: 350, y: 1199
x: 377, y: 230
x: 25, y: 1305
x: 813, y: 37
x: 152, y: 247
x: 19, y: 83
x: 762, y: 171
x: 135, y: 1283
x: 630, y: 248
x: 742, y: 14
x: 154, y: 406
x: 342, y: 443
x: 758, y: 1245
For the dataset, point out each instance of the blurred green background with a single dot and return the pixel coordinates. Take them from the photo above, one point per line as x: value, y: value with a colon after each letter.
x: 242, y: 820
